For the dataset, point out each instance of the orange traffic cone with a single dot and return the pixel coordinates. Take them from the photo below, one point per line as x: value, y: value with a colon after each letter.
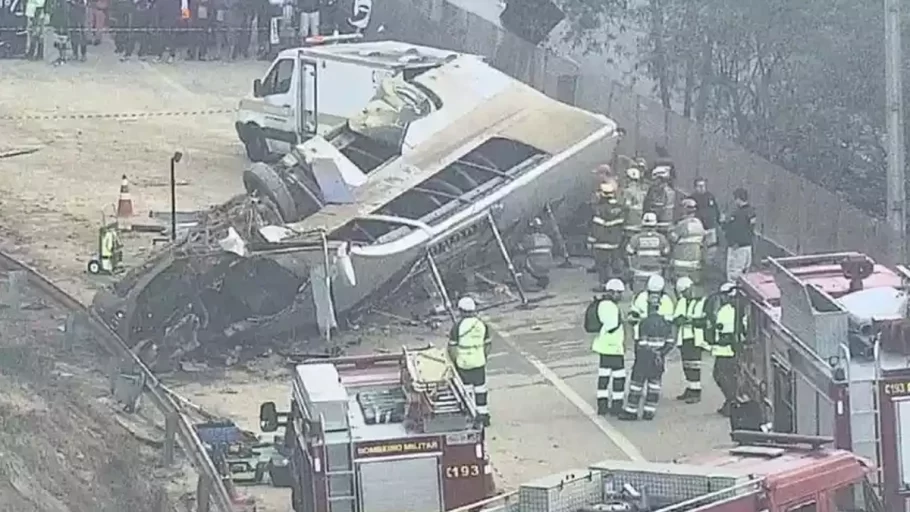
x: 125, y: 206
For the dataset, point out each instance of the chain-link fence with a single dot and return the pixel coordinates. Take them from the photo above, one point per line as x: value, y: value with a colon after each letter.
x: 794, y: 214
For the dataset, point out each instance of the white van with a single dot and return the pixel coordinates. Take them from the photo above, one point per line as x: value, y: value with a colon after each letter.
x: 316, y: 89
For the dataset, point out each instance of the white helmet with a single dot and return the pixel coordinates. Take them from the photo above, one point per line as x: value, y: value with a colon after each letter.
x: 615, y: 285
x: 683, y: 284
x: 727, y: 287
x: 661, y: 171
x: 467, y: 304
x: 649, y: 220
x: 656, y: 284
x: 634, y: 173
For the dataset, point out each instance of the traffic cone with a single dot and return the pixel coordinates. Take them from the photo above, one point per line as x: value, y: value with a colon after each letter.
x: 125, y: 206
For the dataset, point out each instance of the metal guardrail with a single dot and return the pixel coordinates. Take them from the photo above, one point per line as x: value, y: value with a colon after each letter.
x: 185, y: 433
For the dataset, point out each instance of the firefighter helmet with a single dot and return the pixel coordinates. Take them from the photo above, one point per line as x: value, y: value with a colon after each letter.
x: 727, y: 288
x: 689, y: 205
x: 615, y: 285
x: 467, y: 304
x: 633, y: 173
x: 608, y: 188
x: 661, y: 171
x: 640, y: 162
x: 656, y: 284
x: 683, y: 284
x: 536, y: 222
x: 649, y: 220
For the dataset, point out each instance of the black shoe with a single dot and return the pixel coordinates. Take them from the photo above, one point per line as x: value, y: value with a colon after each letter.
x: 724, y: 410
x: 648, y: 416
x: 685, y: 395
x: 616, y: 410
x: 603, y: 407
x: 592, y: 270
x: 627, y: 416
x: 694, y: 398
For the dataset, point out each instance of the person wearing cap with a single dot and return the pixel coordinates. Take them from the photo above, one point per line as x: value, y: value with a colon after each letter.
x: 689, y: 318
x: 652, y: 344
x: 647, y: 252
x: 606, y: 235
x: 708, y: 212
x: 687, y: 238
x: 469, y: 345
x: 739, y: 231
x: 633, y: 195
x: 723, y: 347
x: 609, y: 345
x: 535, y: 253
x: 661, y: 198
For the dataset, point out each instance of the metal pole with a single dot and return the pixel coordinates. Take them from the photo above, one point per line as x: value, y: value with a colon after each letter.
x: 328, y: 287
x: 170, y: 436
x: 505, y: 255
x: 440, y: 284
x: 894, y: 107
x: 173, y: 200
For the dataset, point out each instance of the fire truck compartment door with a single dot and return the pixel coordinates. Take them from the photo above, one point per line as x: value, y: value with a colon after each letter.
x: 401, y: 485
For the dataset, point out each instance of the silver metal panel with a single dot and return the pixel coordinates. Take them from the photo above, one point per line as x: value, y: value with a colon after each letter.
x: 806, y: 407
x: 323, y: 394
x: 567, y: 491
x: 400, y: 485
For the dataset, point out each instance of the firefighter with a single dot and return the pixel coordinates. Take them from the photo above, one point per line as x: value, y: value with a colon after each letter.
x: 651, y: 347
x: 36, y: 16
x: 537, y: 250
x: 654, y: 289
x: 647, y: 252
x: 609, y: 345
x: 661, y: 198
x: 687, y: 239
x: 690, y: 320
x: 723, y: 348
x: 111, y: 252
x: 607, y: 233
x: 708, y: 213
x: 633, y: 195
x: 469, y: 345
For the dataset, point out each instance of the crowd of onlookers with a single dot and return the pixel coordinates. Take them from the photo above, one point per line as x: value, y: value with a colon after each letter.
x: 167, y: 29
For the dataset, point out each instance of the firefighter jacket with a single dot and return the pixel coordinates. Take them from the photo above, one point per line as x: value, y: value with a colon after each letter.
x: 639, y: 310
x: 108, y: 243
x: 607, y: 225
x: 538, y: 250
x: 661, y: 199
x: 690, y: 320
x: 647, y: 251
x: 655, y: 342
x: 725, y: 330
x: 634, y: 200
x: 688, y: 239
x: 34, y: 8
x: 610, y: 341
x: 468, y: 339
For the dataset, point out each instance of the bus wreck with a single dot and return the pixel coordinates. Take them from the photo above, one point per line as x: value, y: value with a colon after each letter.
x: 436, y: 166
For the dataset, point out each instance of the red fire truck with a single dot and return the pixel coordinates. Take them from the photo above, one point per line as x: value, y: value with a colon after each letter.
x: 764, y: 472
x: 384, y: 433
x: 826, y: 353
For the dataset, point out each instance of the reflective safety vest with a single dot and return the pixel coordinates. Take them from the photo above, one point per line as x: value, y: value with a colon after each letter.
x: 469, y: 351
x: 607, y: 226
x: 634, y: 200
x: 646, y: 252
x: 723, y: 343
x: 610, y: 341
x: 690, y: 309
x: 107, y: 245
x: 640, y: 306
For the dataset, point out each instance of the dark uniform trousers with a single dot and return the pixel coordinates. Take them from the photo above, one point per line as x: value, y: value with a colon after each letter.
x: 611, y: 383
x: 691, y: 364
x: 725, y: 373
x: 475, y: 383
x: 647, y: 373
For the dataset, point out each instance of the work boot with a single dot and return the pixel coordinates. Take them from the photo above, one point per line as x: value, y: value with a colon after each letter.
x: 647, y: 416
x: 694, y: 397
x: 603, y: 407
x: 616, y: 410
x: 685, y: 395
x: 625, y: 415
x: 724, y: 410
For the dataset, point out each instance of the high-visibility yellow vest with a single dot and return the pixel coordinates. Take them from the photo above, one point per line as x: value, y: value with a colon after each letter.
x: 723, y: 343
x: 640, y: 306
x: 472, y: 335
x: 609, y: 343
x: 107, y: 245
x: 690, y: 309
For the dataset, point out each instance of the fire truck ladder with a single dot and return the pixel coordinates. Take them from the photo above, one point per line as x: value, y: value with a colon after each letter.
x: 434, y: 378
x: 865, y: 414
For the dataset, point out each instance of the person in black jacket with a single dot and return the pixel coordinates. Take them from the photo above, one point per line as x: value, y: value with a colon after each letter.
x: 707, y: 211
x: 78, y: 28
x: 739, y: 231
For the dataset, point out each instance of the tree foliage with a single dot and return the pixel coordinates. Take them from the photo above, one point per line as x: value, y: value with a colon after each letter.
x: 801, y: 83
